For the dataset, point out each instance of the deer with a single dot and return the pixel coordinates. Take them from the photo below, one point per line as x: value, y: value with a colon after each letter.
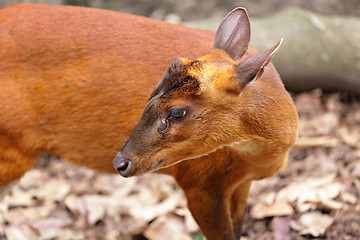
x: 76, y: 82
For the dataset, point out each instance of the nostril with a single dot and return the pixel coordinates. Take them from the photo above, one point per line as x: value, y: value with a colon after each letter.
x: 123, y: 166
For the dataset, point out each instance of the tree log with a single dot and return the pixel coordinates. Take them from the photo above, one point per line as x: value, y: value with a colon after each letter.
x: 318, y: 51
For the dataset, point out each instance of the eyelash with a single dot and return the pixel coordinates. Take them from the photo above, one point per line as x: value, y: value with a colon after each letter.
x: 176, y: 113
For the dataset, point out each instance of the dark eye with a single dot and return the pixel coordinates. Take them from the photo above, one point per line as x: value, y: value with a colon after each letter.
x: 176, y: 113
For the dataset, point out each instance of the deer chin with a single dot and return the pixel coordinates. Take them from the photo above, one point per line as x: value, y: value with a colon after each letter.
x: 165, y: 163
x: 157, y: 161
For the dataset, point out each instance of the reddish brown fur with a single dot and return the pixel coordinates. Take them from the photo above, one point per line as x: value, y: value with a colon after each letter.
x: 74, y: 82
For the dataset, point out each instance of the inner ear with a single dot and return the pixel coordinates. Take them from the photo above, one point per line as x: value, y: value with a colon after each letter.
x: 233, y: 34
x: 253, y: 67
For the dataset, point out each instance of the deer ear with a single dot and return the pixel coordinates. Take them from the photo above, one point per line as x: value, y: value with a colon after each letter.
x: 253, y: 67
x: 233, y: 34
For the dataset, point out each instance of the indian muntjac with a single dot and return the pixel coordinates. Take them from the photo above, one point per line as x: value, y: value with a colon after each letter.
x: 74, y: 82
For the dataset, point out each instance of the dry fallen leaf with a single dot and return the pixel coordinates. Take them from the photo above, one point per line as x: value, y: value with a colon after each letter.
x: 32, y: 179
x: 20, y: 232
x: 348, y: 198
x: 310, y: 192
x: 20, y: 214
x: 51, y: 223
x: 54, y: 190
x: 312, y: 223
x: 350, y: 136
x: 319, y: 125
x: 96, y: 207
x: 356, y: 170
x: 149, y: 213
x: 322, y: 141
x: 19, y: 197
x: 167, y: 227
x: 2, y: 221
x: 61, y: 234
x: 318, y: 194
x: 278, y: 208
x: 190, y: 223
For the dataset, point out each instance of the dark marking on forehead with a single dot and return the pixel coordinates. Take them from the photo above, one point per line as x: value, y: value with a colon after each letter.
x: 176, y: 81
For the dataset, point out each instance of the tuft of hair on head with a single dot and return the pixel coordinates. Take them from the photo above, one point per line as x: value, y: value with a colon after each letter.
x: 177, y: 81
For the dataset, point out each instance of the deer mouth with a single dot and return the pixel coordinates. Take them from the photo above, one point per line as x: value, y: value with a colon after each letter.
x: 157, y: 164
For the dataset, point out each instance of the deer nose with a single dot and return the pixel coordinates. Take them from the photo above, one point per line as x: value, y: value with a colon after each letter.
x: 122, y: 166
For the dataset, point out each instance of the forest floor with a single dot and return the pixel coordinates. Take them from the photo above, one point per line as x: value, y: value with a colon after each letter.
x: 315, y: 197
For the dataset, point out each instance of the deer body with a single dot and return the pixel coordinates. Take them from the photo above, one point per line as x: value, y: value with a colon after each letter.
x: 75, y: 81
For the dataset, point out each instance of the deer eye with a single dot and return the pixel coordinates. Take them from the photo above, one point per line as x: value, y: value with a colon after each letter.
x: 176, y: 113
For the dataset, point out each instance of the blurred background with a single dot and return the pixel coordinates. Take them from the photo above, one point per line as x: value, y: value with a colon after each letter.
x: 321, y: 36
x: 317, y: 196
x: 197, y: 9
